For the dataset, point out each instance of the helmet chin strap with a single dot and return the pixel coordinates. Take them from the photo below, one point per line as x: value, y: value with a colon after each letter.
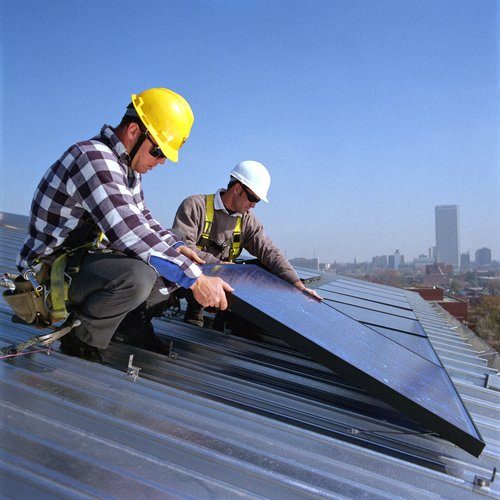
x: 138, y: 144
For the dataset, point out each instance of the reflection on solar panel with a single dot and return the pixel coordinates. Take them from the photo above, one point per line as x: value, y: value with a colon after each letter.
x: 404, y: 378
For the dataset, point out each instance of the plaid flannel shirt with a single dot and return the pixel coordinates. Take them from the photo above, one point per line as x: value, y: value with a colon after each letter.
x: 92, y: 178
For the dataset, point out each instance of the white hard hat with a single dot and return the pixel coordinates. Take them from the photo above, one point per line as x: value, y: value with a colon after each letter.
x: 254, y: 176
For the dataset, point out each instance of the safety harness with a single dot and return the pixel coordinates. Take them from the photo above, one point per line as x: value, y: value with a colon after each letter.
x: 234, y: 241
x: 39, y: 296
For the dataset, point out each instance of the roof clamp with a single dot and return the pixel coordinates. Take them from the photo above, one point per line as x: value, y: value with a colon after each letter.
x: 492, y: 381
x: 171, y: 353
x: 132, y: 371
x: 482, y: 484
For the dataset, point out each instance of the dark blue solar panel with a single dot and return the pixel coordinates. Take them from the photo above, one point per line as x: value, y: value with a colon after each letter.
x: 380, y: 319
x: 366, y: 304
x: 373, y: 287
x: 419, y: 345
x: 350, y: 292
x: 416, y: 386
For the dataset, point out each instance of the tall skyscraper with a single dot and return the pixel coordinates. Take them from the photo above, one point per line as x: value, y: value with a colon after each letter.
x: 447, y: 235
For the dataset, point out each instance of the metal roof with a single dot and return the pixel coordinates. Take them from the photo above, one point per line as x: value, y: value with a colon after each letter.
x: 226, y: 416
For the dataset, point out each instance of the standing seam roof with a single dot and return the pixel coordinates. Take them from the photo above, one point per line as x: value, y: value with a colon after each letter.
x: 229, y: 417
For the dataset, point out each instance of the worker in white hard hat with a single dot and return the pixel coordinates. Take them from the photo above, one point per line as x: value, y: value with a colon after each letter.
x: 219, y: 226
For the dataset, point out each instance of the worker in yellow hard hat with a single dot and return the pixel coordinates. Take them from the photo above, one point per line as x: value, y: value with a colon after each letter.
x: 95, y: 188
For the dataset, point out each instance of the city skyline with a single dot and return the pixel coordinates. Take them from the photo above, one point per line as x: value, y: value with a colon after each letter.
x: 367, y: 114
x: 409, y: 257
x: 446, y: 235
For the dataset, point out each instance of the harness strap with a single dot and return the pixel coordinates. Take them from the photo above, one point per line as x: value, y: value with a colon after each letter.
x: 59, y: 286
x: 236, y: 249
x: 205, y: 240
x: 209, y: 218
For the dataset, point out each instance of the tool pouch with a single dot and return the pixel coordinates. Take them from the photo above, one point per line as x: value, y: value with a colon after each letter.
x: 27, y: 304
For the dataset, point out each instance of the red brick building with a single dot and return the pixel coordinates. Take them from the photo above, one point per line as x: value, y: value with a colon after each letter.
x: 458, y: 308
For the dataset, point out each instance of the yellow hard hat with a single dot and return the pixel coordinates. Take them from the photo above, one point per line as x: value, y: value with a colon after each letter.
x: 167, y: 116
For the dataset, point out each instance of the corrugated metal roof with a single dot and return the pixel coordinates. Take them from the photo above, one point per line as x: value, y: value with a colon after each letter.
x: 229, y: 417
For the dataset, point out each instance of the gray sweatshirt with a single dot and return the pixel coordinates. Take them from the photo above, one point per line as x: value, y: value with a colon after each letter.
x: 190, y: 220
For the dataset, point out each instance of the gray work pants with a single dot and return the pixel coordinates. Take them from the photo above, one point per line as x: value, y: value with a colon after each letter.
x: 105, y: 289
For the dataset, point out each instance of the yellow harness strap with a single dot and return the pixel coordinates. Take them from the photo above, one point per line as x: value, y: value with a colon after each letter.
x: 204, y: 241
x: 236, y: 249
x: 209, y: 216
x: 59, y: 287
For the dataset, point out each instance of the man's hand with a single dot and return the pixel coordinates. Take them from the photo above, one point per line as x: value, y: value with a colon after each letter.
x: 190, y: 254
x: 310, y: 291
x: 210, y: 291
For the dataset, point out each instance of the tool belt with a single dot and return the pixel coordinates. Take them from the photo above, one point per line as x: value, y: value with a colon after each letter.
x: 41, y: 298
x: 27, y: 303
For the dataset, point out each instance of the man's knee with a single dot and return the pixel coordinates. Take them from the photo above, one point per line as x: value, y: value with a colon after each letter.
x: 141, y: 278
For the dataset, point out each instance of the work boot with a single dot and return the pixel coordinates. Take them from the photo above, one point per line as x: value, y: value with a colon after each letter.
x: 194, y: 314
x: 137, y: 330
x: 73, y: 346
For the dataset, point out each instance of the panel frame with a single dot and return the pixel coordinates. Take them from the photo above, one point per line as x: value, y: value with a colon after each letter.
x: 431, y: 420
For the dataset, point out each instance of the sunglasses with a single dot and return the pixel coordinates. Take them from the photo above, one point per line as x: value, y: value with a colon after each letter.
x: 155, y: 151
x: 251, y: 197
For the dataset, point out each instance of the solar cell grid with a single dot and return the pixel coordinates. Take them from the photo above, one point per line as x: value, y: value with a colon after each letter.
x: 374, y: 287
x: 369, y: 295
x: 419, y: 345
x: 416, y: 386
x: 367, y: 304
x: 369, y: 317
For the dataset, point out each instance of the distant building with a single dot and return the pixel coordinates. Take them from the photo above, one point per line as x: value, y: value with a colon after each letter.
x: 438, y: 275
x: 422, y: 261
x: 396, y: 261
x: 379, y: 262
x: 447, y: 235
x: 465, y: 261
x: 457, y: 307
x: 432, y: 253
x: 483, y: 257
x: 307, y: 263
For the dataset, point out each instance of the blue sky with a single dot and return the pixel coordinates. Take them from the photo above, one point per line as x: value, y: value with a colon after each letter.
x: 366, y: 113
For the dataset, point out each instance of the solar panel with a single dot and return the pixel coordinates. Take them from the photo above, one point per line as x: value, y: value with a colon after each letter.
x: 380, y: 319
x: 367, y: 304
x: 376, y: 287
x: 373, y: 297
x: 352, y: 289
x: 408, y: 381
x: 419, y: 345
